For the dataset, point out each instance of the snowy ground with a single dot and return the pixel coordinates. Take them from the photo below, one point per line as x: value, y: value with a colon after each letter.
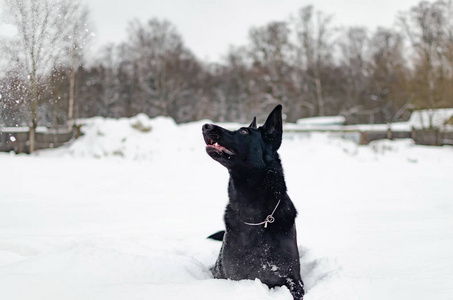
x: 123, y: 214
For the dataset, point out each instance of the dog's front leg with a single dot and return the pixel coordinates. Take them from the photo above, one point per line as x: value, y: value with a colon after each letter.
x: 296, y: 287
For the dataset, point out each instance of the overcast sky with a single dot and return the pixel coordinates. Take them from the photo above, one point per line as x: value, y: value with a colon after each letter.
x: 209, y: 27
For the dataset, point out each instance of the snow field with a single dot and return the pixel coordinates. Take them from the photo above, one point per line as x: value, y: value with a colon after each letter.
x: 123, y: 213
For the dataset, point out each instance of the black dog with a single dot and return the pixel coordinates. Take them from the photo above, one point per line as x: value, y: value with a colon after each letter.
x: 260, y: 236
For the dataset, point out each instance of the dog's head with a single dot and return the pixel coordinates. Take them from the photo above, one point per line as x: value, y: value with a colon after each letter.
x: 248, y: 147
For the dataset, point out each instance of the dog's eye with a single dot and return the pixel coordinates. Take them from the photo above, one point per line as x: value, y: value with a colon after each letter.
x: 243, y: 131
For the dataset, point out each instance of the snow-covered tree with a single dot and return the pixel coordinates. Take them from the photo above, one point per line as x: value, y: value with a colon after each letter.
x: 46, y: 30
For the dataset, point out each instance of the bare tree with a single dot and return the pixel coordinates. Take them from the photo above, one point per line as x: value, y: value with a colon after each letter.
x: 353, y: 46
x: 388, y: 76
x: 43, y: 29
x: 108, y: 71
x: 162, y: 61
x: 78, y: 42
x: 314, y: 33
x: 428, y: 27
x: 270, y: 51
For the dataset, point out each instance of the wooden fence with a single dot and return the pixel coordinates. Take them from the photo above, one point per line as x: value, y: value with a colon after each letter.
x: 432, y: 137
x: 364, y: 137
x: 17, y: 139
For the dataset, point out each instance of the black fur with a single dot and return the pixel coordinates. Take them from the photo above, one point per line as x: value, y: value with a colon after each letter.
x: 256, y: 185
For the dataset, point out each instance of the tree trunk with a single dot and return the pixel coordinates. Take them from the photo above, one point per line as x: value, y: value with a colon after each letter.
x: 71, y: 97
x: 32, y: 138
x: 319, y: 97
x: 34, y: 113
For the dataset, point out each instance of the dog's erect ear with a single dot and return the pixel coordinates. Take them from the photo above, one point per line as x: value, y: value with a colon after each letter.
x: 272, y: 130
x: 253, y: 124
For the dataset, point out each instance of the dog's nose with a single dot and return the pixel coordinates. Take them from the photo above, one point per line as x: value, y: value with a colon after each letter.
x: 207, y: 127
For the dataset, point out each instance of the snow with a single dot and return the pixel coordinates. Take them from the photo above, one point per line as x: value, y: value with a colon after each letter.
x: 123, y: 213
x: 421, y: 118
x: 39, y: 129
x: 321, y: 121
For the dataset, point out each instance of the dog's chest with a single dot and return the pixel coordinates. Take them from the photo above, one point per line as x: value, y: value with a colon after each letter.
x: 255, y: 257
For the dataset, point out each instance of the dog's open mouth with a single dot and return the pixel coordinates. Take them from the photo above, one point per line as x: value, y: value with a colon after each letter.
x: 212, y: 145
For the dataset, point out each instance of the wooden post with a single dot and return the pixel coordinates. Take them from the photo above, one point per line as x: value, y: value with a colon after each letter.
x: 389, y: 132
x: 32, y: 137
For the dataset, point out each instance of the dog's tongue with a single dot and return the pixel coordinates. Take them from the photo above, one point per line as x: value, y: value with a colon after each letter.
x: 219, y: 148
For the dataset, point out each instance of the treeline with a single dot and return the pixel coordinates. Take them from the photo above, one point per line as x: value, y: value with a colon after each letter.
x: 306, y: 63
